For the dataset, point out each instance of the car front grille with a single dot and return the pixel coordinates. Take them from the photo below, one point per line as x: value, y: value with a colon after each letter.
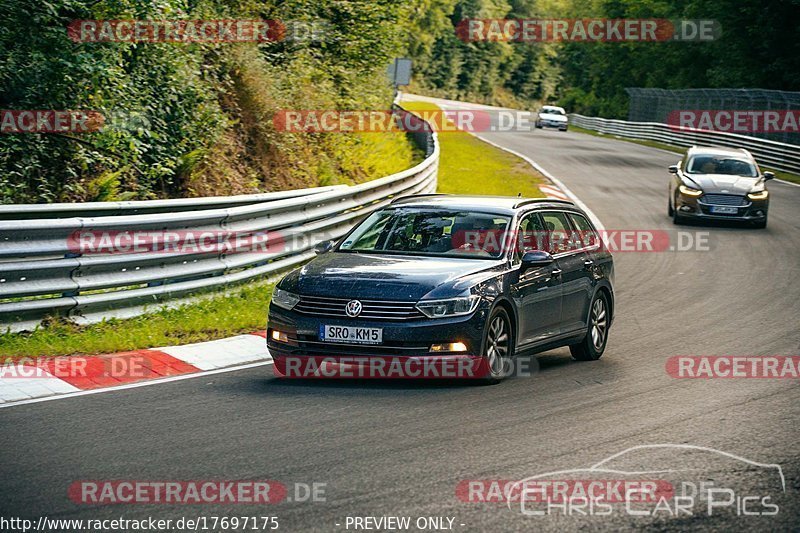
x: 724, y: 199
x: 371, y: 309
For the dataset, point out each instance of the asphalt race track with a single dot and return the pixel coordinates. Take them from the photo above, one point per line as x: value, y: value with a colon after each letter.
x: 401, y: 448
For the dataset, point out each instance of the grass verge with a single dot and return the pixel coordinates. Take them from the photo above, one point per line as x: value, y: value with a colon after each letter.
x: 786, y: 176
x: 467, y: 166
x: 470, y: 166
x: 240, y: 311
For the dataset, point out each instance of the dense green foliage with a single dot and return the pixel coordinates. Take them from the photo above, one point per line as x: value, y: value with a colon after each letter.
x: 187, y: 118
x: 196, y: 119
x: 759, y: 47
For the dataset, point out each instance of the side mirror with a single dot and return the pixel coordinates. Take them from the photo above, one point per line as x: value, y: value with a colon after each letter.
x: 673, y: 169
x: 324, y: 247
x: 769, y: 175
x: 536, y: 258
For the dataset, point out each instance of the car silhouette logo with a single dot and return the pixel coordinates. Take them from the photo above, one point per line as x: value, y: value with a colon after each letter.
x: 353, y: 308
x: 608, y: 467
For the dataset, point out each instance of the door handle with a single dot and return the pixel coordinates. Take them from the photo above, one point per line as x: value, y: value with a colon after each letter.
x: 588, y: 264
x: 556, y: 273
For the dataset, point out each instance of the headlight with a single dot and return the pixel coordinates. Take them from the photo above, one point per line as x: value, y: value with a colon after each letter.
x: 688, y: 191
x: 760, y: 195
x: 449, y: 307
x: 284, y: 299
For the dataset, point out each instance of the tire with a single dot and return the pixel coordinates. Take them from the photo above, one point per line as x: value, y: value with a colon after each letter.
x: 564, y: 129
x: 670, y: 210
x: 538, y: 125
x: 498, y: 346
x: 591, y: 348
x: 677, y: 219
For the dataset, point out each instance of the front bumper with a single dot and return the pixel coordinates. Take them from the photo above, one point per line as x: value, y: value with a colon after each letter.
x: 404, y: 352
x: 752, y: 210
x: 410, y: 338
x: 386, y: 367
x: 553, y: 124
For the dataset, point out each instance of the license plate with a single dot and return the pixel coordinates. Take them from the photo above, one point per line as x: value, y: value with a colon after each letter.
x: 352, y: 334
x: 723, y: 210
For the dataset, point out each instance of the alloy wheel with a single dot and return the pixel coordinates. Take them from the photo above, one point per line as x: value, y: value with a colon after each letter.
x: 497, y: 344
x: 599, y: 324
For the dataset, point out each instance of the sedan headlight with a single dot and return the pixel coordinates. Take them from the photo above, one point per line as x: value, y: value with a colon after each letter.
x: 760, y: 195
x: 688, y: 191
x: 464, y: 305
x: 284, y: 299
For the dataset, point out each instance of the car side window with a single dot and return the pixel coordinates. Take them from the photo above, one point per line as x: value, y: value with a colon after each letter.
x: 586, y: 235
x: 558, y: 232
x: 530, y: 236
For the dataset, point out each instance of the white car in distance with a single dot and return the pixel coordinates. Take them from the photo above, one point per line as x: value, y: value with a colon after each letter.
x: 552, y: 117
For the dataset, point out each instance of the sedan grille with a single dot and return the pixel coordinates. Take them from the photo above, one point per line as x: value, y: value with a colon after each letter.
x: 371, y: 309
x: 724, y: 199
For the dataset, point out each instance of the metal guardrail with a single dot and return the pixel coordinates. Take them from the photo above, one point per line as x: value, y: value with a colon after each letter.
x: 41, y: 274
x: 780, y: 156
x: 28, y: 211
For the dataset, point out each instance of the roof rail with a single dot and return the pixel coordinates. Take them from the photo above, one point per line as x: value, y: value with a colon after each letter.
x: 541, y: 201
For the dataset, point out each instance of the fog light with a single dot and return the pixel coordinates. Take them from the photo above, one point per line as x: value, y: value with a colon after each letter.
x: 279, y: 336
x: 687, y: 208
x: 449, y: 347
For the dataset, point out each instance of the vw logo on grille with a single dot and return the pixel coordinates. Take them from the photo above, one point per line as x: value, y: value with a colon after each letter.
x: 353, y: 308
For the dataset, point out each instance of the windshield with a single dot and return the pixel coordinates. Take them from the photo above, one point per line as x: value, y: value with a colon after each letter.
x: 707, y: 164
x: 434, y: 232
x: 552, y: 111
